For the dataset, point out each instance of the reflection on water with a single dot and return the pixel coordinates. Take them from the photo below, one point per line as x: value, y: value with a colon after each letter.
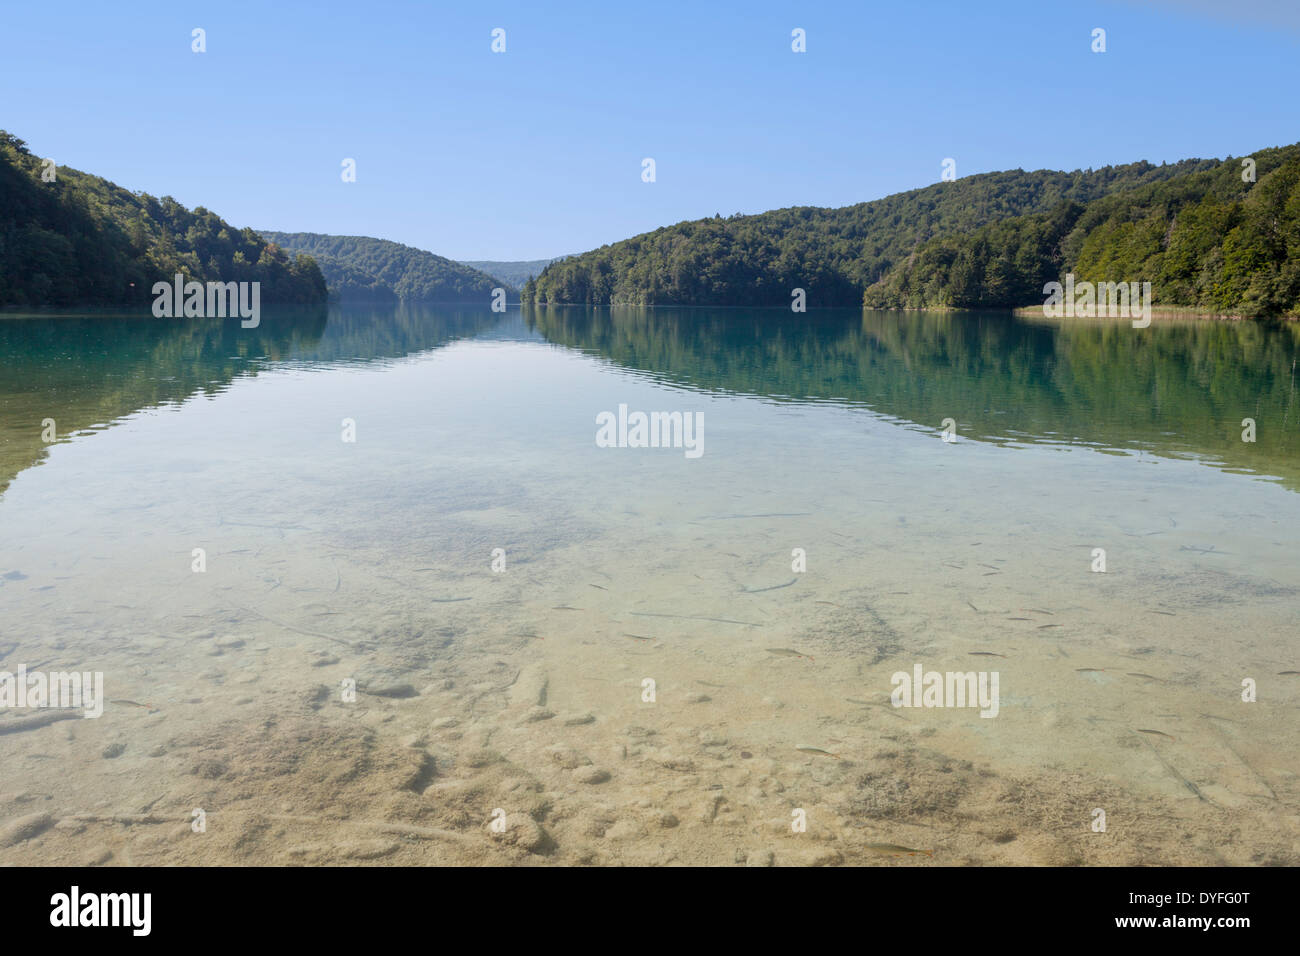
x: 1175, y: 388
x: 501, y: 590
x: 86, y: 372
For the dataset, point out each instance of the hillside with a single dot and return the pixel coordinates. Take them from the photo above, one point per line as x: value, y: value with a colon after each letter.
x: 358, y: 268
x: 833, y: 254
x: 513, y: 274
x: 82, y: 240
x: 1206, y: 240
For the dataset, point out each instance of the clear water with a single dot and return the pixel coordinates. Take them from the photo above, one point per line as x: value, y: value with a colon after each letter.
x: 521, y: 693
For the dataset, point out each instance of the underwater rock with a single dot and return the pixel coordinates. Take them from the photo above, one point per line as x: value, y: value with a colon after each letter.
x: 24, y: 828
x: 591, y: 775
x: 568, y: 758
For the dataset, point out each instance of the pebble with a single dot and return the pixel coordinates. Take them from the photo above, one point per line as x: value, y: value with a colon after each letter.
x: 568, y: 758
x: 24, y: 828
x: 522, y: 831
x: 114, y: 750
x: 529, y: 690
x: 368, y: 849
x: 814, y: 856
x: 624, y: 829
x: 669, y: 762
x: 482, y: 758
x: 98, y: 857
x: 209, y: 768
x: 591, y: 775
x: 316, y: 697
x: 711, y: 808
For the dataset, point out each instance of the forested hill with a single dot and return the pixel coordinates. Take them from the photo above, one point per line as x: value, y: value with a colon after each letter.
x: 513, y: 274
x: 1207, y: 240
x: 82, y: 240
x: 358, y: 268
x: 833, y: 254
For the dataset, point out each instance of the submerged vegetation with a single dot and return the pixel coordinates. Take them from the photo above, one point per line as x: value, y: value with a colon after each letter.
x: 70, y: 238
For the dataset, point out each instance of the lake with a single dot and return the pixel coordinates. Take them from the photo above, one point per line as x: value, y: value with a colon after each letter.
x: 363, y: 586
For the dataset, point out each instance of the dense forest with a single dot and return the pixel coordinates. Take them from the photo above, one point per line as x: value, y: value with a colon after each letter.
x: 513, y: 274
x: 361, y: 269
x: 1206, y: 240
x: 82, y: 240
x: 833, y: 254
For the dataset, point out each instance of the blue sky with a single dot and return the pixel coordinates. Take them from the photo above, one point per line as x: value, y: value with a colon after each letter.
x: 537, y: 151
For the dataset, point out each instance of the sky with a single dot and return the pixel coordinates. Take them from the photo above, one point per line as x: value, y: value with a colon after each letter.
x: 538, y: 151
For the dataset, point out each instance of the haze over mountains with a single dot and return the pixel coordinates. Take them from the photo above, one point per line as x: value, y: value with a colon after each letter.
x: 513, y: 274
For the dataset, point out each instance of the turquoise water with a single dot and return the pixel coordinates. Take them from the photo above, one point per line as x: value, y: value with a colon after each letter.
x: 500, y: 588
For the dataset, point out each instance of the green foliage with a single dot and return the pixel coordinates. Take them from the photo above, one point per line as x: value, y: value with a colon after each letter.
x: 834, y: 254
x: 82, y: 240
x: 358, y: 268
x: 1204, y: 240
x: 347, y: 283
x: 513, y: 274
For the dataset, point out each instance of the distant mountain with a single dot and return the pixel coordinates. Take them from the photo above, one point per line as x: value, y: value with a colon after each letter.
x: 358, y: 268
x: 833, y: 254
x: 514, y: 274
x: 77, y: 239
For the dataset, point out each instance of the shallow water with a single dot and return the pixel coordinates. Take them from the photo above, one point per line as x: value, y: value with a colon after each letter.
x: 521, y: 693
